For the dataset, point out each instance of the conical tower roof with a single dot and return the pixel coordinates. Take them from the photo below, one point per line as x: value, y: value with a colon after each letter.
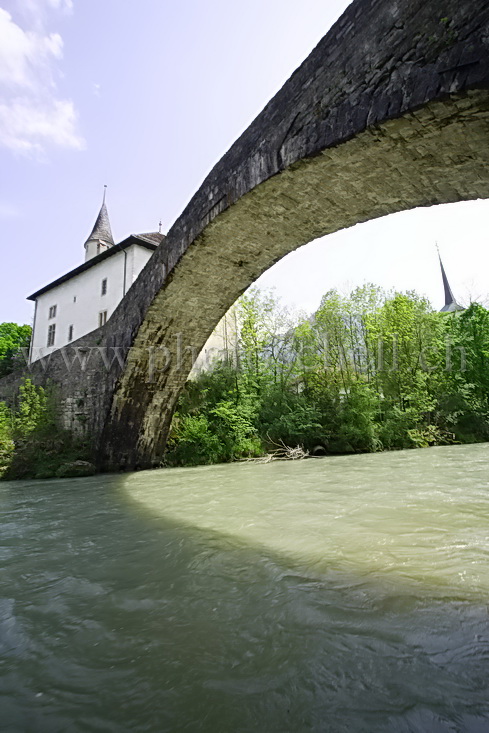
x: 450, y: 302
x: 102, y: 232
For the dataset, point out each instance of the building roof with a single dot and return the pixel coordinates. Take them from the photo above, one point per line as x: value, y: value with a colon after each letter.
x: 451, y: 308
x: 143, y: 240
x: 101, y: 231
x: 155, y: 237
x: 451, y: 304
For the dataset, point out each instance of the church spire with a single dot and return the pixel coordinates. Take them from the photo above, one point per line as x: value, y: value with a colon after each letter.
x: 450, y: 302
x: 101, y: 237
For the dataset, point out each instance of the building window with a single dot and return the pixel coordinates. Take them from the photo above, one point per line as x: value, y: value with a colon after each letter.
x: 51, y: 333
x: 102, y: 318
x: 52, y: 311
x: 70, y: 333
x: 104, y: 286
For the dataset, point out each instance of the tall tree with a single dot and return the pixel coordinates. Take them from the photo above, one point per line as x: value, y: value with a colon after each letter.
x: 12, y: 338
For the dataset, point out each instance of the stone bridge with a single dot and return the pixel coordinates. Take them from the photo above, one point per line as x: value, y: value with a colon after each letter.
x: 389, y: 112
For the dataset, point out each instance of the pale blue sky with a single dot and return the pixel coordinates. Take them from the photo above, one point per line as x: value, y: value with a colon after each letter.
x: 147, y: 96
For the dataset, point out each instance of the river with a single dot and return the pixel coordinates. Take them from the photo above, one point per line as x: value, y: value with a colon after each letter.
x: 336, y: 594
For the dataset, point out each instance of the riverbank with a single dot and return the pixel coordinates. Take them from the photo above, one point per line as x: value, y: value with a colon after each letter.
x: 368, y: 372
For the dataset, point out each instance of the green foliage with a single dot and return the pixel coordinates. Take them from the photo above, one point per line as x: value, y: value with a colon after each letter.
x: 7, y: 445
x: 463, y: 383
x: 223, y: 432
x: 32, y: 410
x: 358, y: 430
x: 369, y: 371
x: 31, y: 443
x: 233, y: 425
x: 192, y: 442
x: 291, y: 418
x: 12, y: 338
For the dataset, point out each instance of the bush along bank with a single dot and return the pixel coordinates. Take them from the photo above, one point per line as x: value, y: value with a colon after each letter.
x: 369, y: 371
x: 32, y: 445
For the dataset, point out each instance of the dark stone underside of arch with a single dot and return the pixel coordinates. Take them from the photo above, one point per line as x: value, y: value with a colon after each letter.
x: 435, y: 155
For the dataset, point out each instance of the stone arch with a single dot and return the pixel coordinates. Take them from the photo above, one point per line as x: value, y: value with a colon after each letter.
x: 388, y: 113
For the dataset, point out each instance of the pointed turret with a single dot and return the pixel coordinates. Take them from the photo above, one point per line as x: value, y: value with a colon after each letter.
x: 101, y: 237
x: 450, y: 302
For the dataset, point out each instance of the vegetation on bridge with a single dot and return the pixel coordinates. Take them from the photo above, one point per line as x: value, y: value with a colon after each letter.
x: 368, y: 372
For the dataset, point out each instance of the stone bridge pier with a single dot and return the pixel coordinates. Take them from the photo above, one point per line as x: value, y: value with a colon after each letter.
x: 389, y: 112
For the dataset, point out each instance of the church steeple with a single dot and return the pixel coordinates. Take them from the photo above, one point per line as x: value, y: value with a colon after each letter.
x: 101, y: 237
x: 450, y: 302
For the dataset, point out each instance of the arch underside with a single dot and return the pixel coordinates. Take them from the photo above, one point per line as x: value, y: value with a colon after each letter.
x: 436, y: 154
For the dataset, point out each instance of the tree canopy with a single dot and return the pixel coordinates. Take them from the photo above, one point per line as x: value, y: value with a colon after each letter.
x: 12, y: 338
x: 369, y: 371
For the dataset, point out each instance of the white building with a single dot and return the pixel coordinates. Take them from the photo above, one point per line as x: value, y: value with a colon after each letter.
x: 85, y: 298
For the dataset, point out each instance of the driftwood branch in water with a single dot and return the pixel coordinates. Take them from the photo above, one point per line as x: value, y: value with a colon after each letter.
x: 281, y: 452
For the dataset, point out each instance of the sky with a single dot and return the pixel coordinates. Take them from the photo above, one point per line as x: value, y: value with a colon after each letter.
x: 146, y: 97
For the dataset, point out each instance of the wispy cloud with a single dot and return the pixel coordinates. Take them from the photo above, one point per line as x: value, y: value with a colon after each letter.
x: 32, y: 116
x: 66, y: 5
x: 36, y: 12
x: 28, y: 127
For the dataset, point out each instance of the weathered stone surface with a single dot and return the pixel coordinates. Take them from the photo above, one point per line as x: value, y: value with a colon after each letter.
x: 389, y: 112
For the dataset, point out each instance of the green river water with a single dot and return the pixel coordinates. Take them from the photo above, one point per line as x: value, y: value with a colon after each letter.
x: 337, y: 594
